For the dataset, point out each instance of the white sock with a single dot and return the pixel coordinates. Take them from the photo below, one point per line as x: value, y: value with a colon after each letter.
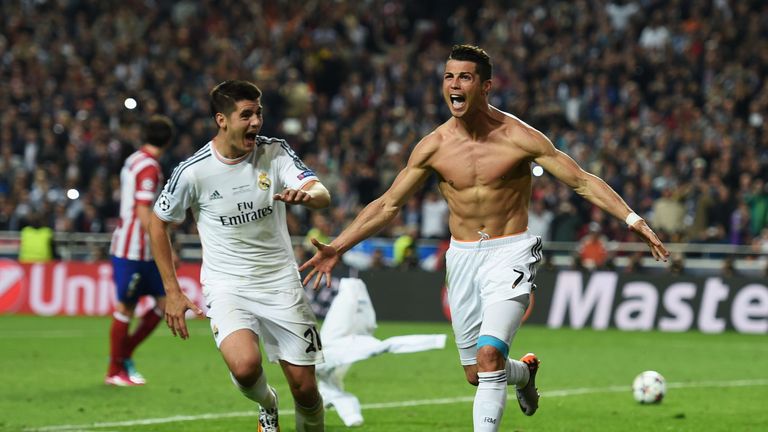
x: 490, y: 399
x: 259, y: 392
x: 517, y: 373
x: 310, y: 419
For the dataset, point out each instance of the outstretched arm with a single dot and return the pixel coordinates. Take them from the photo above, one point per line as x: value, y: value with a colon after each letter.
x: 591, y: 187
x: 176, y: 303
x: 371, y: 219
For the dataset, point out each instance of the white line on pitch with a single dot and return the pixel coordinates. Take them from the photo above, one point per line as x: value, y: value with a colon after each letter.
x: 385, y: 405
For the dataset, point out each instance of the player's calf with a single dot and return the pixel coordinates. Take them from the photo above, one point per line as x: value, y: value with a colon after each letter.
x: 310, y: 419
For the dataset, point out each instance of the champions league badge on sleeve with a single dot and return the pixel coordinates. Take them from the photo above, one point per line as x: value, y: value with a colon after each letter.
x: 163, y: 202
x: 305, y: 174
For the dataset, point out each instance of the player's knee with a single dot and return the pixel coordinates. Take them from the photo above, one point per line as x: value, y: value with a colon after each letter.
x: 247, y: 371
x: 305, y: 392
x: 489, y: 359
x: 125, y: 309
x: 491, y: 353
x: 303, y: 386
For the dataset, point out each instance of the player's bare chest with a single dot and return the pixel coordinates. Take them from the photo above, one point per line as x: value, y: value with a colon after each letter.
x: 478, y: 165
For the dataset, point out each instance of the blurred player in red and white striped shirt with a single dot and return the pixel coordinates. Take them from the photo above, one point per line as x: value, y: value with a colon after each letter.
x: 134, y: 270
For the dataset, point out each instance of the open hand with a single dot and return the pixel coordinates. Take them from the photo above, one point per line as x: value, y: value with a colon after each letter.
x: 322, y: 263
x: 646, y: 233
x: 176, y: 306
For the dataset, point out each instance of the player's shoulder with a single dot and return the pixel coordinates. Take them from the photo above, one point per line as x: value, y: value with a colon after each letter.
x: 194, y: 162
x: 432, y: 140
x: 200, y: 155
x: 271, y: 143
x: 429, y: 146
x: 517, y: 131
x: 140, y: 160
x: 511, y: 123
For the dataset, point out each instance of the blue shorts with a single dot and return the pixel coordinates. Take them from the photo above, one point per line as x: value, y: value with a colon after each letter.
x: 134, y: 279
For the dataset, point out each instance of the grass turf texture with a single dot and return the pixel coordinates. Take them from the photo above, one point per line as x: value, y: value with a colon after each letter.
x: 53, y: 369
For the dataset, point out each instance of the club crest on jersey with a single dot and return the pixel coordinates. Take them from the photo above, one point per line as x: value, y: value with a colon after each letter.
x: 215, y: 195
x: 264, y: 181
x: 148, y: 184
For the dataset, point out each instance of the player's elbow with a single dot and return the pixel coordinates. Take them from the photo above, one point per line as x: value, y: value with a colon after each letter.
x: 387, y: 208
x: 582, y: 184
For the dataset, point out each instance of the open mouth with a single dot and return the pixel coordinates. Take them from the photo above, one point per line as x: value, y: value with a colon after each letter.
x: 458, y: 101
x: 250, y: 138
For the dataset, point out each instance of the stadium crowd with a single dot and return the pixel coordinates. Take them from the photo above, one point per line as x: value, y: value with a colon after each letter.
x: 665, y: 100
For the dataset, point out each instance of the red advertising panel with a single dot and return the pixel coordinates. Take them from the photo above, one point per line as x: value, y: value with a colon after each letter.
x: 72, y: 288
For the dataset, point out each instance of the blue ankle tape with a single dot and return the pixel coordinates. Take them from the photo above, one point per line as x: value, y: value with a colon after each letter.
x: 494, y: 342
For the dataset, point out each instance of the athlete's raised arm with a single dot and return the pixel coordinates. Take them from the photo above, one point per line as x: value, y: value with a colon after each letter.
x: 588, y: 185
x: 375, y: 215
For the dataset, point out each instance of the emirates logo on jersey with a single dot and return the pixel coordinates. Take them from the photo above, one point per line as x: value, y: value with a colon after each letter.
x: 264, y: 181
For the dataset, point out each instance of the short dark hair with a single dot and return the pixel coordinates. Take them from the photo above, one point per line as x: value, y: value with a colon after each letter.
x: 158, y: 131
x: 476, y: 55
x: 227, y: 94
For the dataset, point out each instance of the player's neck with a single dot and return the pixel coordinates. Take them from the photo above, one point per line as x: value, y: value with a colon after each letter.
x: 153, y: 151
x: 227, y: 151
x: 477, y: 124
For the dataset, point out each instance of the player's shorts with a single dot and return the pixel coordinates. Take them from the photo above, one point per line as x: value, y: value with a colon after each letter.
x: 279, y: 313
x: 485, y: 272
x: 134, y: 279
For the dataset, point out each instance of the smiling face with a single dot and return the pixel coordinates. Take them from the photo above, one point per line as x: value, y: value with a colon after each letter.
x: 240, y: 127
x: 463, y: 89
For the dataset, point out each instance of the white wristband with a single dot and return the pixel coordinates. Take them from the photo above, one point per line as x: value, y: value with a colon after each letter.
x: 632, y: 219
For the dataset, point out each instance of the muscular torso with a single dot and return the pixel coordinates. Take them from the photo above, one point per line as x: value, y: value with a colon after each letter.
x: 486, y: 180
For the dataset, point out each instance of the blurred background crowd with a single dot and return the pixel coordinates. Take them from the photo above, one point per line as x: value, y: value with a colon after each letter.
x: 665, y: 100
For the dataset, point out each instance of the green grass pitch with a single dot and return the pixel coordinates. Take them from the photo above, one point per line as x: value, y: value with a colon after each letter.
x: 51, y: 372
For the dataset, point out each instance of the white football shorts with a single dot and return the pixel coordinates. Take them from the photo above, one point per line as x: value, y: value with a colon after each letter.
x: 279, y: 313
x: 484, y: 272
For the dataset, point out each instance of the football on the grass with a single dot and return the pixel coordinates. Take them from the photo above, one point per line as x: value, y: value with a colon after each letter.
x: 649, y: 387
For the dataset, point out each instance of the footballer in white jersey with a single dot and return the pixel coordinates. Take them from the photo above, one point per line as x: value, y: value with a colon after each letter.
x: 243, y: 230
x: 237, y: 187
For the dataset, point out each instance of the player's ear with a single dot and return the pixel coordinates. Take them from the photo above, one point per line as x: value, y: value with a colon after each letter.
x: 487, y: 87
x: 221, y: 120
